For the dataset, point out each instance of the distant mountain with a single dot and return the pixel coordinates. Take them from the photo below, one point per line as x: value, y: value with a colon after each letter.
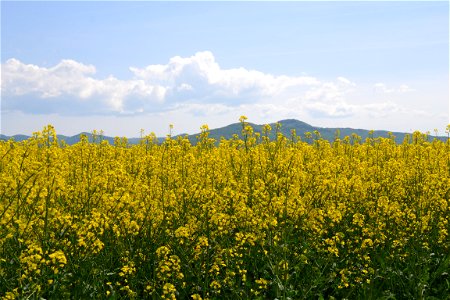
x: 228, y: 131
x: 301, y: 128
x: 70, y: 140
x: 17, y: 137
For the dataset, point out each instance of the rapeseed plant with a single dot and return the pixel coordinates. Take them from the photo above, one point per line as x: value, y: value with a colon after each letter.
x: 260, y: 216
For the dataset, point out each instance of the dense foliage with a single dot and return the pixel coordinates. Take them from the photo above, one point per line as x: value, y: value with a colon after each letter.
x: 252, y: 218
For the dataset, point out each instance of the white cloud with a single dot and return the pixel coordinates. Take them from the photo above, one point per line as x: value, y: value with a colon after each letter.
x: 405, y: 89
x: 384, y: 89
x: 345, y: 81
x: 196, y: 85
x: 208, y: 81
x: 71, y: 81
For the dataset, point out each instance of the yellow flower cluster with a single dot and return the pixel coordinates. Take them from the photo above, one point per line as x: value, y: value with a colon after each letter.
x: 257, y: 216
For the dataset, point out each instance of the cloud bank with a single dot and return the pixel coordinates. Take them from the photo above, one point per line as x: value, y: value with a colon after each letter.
x: 195, y: 85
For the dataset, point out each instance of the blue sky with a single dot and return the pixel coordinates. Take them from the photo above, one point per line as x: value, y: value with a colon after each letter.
x: 123, y: 66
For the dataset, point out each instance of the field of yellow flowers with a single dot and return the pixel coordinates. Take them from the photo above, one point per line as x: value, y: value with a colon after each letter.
x: 249, y: 218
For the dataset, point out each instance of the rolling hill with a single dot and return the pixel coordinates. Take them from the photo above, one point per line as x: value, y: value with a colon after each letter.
x: 228, y: 131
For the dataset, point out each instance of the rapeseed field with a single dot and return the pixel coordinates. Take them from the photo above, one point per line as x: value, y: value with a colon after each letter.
x: 295, y: 217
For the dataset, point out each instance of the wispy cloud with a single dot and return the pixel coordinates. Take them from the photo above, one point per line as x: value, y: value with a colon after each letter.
x: 384, y: 89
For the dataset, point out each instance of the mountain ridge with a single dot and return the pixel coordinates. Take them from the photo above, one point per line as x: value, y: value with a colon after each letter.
x: 227, y: 132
